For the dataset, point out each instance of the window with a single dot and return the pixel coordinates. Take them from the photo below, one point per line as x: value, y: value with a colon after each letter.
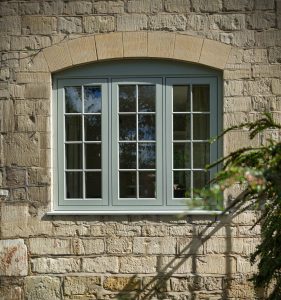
x: 133, y: 136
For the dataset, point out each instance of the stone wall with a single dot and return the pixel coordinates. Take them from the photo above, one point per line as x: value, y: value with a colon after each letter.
x: 123, y: 257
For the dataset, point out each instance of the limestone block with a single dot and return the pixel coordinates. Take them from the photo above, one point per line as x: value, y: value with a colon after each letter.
x: 13, y: 257
x: 181, y: 230
x: 144, y: 6
x: 55, y: 265
x: 189, y: 246
x: 276, y: 86
x: 154, y: 230
x: 267, y: 71
x: 98, y: 24
x: 109, y: 45
x: 52, y: 8
x: 105, y: 7
x: 100, y: 264
x: 234, y: 104
x: 135, y: 264
x: 26, y: 77
x: 82, y: 50
x: 11, y: 293
x: 132, y: 22
x: 33, y: 62
x: 214, y: 54
x: 255, y: 55
x: 38, y: 25
x: 181, y: 265
x: 207, y: 6
x: 57, y: 57
x: 238, y: 5
x: 15, y: 176
x: 78, y: 8
x: 245, y: 38
x: 257, y: 87
x: 161, y: 44
x: 4, y: 92
x: 4, y: 43
x: 227, y: 22
x: 8, y: 8
x: 119, y: 245
x: 7, y: 116
x: 154, y: 245
x: 268, y: 38
x: 242, y: 71
x: 177, y: 6
x: 49, y: 246
x: 250, y: 231
x: 261, y: 4
x: 233, y: 88
x: 261, y: 20
x: 266, y: 103
x: 93, y: 246
x: 66, y: 229
x: 125, y: 230
x: 115, y: 283
x: 42, y: 288
x: 234, y: 119
x: 81, y: 285
x: 246, y: 218
x: 215, y: 264
x: 69, y: 25
x: 10, y: 25
x: 274, y: 55
x: 169, y: 22
x: 187, y: 48
x: 244, y: 266
x: 135, y: 44
x: 24, y: 107
x: 26, y: 8
x: 37, y: 91
x: 198, y: 22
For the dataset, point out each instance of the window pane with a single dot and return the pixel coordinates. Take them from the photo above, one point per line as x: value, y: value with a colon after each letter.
x: 181, y: 127
x: 74, y: 185
x: 127, y: 156
x: 93, y: 156
x: 127, y: 98
x: 147, y: 184
x: 201, y: 127
x: 92, y: 99
x: 147, y: 98
x: 201, y: 98
x: 147, y: 127
x: 73, y: 102
x: 92, y: 128
x: 73, y: 128
x: 200, y: 179
x: 93, y: 184
x: 127, y: 184
x: 201, y: 155
x: 127, y: 127
x: 147, y: 156
x: 181, y: 98
x: 181, y: 155
x: 73, y: 156
x: 181, y: 184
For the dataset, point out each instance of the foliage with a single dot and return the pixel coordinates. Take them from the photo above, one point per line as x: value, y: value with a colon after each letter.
x: 258, y: 171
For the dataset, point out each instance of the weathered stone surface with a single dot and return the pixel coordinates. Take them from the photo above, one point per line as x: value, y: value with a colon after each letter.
x: 93, y: 246
x: 38, y: 25
x: 255, y: 55
x: 144, y: 6
x: 134, y: 264
x: 257, y: 87
x: 238, y: 5
x: 215, y: 264
x: 33, y: 62
x: 274, y: 55
x: 78, y: 7
x: 135, y: 44
x: 69, y: 25
x: 187, y: 48
x: 27, y: 8
x: 267, y: 71
x: 8, y: 9
x: 160, y: 44
x: 207, y: 6
x: 47, y: 246
x: 119, y: 245
x: 100, y: 264
x: 227, y: 22
x: 261, y: 20
x: 98, y: 24
x: 122, y: 283
x: 237, y: 72
x: 42, y: 288
x: 25, y: 77
x: 109, y: 7
x: 167, y: 22
x: 261, y: 4
x: 133, y: 22
x: 233, y: 88
x: 13, y: 258
x: 189, y: 246
x: 81, y: 285
x: 181, y: 265
x: 109, y: 45
x: 166, y: 245
x: 55, y: 265
x: 276, y: 86
x: 10, y: 25
x: 11, y: 293
x: 52, y: 8
x: 177, y: 6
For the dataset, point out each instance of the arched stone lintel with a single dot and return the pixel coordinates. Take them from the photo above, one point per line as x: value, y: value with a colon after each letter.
x: 138, y: 44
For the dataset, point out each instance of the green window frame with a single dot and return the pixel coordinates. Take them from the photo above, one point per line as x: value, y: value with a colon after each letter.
x: 111, y: 167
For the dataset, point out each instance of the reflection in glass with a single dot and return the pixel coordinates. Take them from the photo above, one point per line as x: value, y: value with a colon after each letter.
x: 73, y: 128
x: 181, y: 184
x: 93, y: 156
x: 181, y: 155
x: 127, y: 98
x: 201, y: 127
x: 127, y: 184
x: 73, y: 102
x: 201, y: 155
x: 200, y: 179
x: 181, y: 98
x: 92, y: 99
x: 147, y: 185
x: 73, y: 156
x: 127, y: 156
x: 92, y: 128
x: 147, y: 127
x: 201, y: 97
x: 181, y: 127
x: 127, y: 127
x: 147, y: 155
x: 74, y: 186
x: 146, y: 98
x: 93, y: 184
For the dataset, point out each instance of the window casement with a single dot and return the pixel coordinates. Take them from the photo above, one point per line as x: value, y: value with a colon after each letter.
x: 133, y: 137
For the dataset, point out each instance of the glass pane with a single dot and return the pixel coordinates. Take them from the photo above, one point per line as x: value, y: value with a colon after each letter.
x: 147, y: 127
x: 127, y: 127
x: 147, y: 98
x: 93, y: 184
x: 127, y: 186
x: 127, y: 156
x: 201, y: 97
x: 93, y: 156
x: 92, y: 99
x: 201, y: 155
x: 182, y: 184
x: 200, y: 179
x: 127, y: 98
x: 147, y: 184
x: 181, y: 127
x: 182, y: 156
x: 181, y: 98
x: 73, y: 128
x: 74, y: 185
x: 74, y: 156
x: 92, y: 128
x: 201, y: 127
x: 73, y: 102
x: 147, y: 155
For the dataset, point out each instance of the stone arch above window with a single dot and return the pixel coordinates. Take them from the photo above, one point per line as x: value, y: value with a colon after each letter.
x: 136, y: 45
